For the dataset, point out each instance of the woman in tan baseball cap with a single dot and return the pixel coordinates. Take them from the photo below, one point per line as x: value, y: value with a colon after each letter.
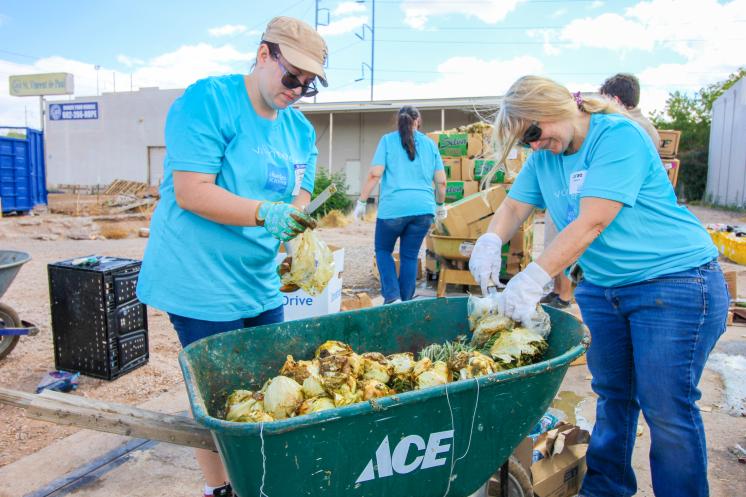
x: 239, y: 169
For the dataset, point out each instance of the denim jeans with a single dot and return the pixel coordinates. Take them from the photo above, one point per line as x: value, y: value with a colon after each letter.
x: 650, y: 342
x: 410, y: 230
x: 190, y: 330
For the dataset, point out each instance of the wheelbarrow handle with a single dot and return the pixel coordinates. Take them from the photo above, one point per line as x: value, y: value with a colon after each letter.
x: 28, y: 329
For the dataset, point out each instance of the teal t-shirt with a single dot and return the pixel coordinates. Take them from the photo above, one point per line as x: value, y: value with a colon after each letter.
x: 200, y: 269
x: 406, y: 185
x: 651, y: 235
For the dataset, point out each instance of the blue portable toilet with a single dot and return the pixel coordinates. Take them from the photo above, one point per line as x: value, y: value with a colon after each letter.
x: 23, y: 181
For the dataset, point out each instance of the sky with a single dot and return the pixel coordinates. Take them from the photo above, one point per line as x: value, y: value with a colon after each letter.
x: 422, y: 49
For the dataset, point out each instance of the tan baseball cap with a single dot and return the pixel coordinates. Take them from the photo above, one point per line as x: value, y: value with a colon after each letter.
x: 299, y: 43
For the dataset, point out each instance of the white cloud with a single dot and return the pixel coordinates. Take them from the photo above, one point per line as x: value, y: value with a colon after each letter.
x: 559, y: 12
x: 417, y: 12
x: 610, y: 31
x: 349, y: 8
x: 596, y: 4
x: 546, y: 34
x: 700, y: 38
x: 227, y: 30
x: 177, y: 69
x: 346, y: 25
x: 129, y: 61
x: 456, y: 78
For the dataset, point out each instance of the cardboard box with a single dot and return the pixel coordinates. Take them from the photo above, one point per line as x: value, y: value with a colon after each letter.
x: 432, y: 264
x: 514, y: 163
x: 672, y: 167
x: 669, y: 144
x: 300, y: 305
x: 479, y: 228
x: 471, y: 209
x: 377, y: 275
x: 561, y: 471
x: 358, y: 301
x: 731, y: 278
x: 456, y: 190
x: 452, y: 166
x: 474, y: 145
x: 453, y: 144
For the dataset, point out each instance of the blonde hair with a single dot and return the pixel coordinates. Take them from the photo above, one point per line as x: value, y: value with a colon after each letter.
x: 534, y: 98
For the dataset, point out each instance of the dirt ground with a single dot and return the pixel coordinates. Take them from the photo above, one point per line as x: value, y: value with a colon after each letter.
x: 59, y: 234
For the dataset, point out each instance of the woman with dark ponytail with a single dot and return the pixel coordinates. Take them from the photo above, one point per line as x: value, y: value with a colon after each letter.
x: 407, y: 163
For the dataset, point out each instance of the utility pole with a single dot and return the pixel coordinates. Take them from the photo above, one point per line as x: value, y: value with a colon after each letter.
x: 317, y: 24
x: 97, y: 67
x: 372, y: 28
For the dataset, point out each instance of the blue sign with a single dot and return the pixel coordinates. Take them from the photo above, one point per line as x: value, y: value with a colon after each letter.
x: 73, y: 111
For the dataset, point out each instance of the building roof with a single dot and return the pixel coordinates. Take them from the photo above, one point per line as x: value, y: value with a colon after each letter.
x: 466, y: 103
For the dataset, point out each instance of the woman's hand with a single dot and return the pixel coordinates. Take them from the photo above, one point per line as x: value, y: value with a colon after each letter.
x: 283, y: 221
x: 522, y: 294
x: 440, y: 212
x: 359, y: 212
x: 485, y: 261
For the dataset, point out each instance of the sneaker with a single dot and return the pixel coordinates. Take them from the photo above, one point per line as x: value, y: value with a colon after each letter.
x: 397, y: 301
x: 548, y: 298
x: 558, y: 303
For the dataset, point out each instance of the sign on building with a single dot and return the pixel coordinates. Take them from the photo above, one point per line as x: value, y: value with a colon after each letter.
x: 35, y: 85
x: 73, y: 111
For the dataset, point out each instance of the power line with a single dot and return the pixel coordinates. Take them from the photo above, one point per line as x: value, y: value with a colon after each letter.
x: 513, y: 28
x: 562, y: 43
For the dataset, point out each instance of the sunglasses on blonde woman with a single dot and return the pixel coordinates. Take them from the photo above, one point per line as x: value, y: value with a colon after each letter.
x: 532, y: 134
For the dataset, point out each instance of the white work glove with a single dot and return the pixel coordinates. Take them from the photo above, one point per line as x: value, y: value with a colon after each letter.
x: 524, y: 290
x: 440, y: 213
x: 485, y: 261
x: 359, y: 211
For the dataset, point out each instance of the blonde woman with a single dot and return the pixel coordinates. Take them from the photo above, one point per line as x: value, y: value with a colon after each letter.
x: 651, y: 290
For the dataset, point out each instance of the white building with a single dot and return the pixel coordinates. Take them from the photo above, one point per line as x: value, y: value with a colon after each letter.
x: 121, y: 137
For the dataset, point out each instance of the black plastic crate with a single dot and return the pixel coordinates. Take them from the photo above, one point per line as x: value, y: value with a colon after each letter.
x: 99, y: 326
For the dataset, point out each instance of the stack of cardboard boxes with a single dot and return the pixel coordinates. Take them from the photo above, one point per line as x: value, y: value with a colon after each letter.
x: 468, y: 155
x: 668, y: 149
x: 468, y: 219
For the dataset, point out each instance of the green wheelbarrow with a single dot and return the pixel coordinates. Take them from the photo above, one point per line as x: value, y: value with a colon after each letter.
x: 444, y: 441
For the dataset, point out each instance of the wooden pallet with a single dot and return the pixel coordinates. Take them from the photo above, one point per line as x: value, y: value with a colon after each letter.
x: 125, y: 187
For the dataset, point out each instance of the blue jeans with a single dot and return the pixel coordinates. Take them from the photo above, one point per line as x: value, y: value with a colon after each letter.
x: 410, y: 230
x: 190, y: 330
x: 650, y: 342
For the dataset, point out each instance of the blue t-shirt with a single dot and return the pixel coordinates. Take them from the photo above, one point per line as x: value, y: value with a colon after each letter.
x: 406, y: 186
x: 200, y: 269
x: 651, y: 235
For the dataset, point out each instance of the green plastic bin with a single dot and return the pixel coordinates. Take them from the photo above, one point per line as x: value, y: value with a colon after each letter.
x: 437, y: 442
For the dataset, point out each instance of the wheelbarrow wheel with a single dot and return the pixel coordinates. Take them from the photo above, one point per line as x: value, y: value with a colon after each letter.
x: 8, y: 319
x: 519, y: 481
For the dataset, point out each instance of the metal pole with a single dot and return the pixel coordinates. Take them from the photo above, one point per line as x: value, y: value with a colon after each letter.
x: 41, y: 113
x: 442, y: 119
x: 331, y: 133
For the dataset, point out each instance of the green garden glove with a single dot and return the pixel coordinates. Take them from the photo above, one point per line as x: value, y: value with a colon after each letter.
x: 283, y: 221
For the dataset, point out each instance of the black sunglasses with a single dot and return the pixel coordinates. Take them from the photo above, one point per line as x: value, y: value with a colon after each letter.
x: 532, y: 134
x: 291, y: 82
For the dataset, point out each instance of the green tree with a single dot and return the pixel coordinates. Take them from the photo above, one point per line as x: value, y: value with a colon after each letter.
x: 692, y: 115
x: 338, y: 200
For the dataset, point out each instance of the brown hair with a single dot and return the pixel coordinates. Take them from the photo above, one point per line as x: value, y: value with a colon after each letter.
x: 624, y: 86
x: 405, y: 121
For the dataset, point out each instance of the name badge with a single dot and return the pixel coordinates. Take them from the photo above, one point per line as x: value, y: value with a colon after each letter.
x: 576, y: 182
x: 300, y: 172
